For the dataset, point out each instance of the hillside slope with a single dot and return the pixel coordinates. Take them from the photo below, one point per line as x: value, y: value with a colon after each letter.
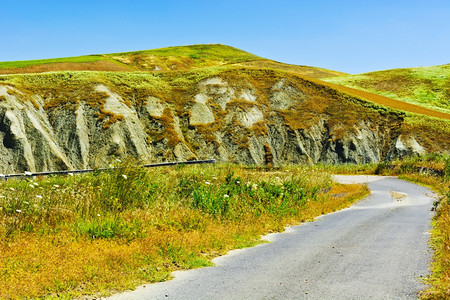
x: 425, y: 86
x: 67, y: 120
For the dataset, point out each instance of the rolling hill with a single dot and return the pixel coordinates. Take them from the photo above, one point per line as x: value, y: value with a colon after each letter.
x: 197, y: 102
x: 179, y: 58
x: 425, y: 86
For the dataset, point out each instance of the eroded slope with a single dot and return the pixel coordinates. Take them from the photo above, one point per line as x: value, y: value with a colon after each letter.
x: 71, y: 120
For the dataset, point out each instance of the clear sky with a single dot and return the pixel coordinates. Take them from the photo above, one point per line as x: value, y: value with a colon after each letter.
x: 348, y: 36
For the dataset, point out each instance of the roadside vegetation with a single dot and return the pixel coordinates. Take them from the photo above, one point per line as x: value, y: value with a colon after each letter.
x: 94, y: 234
x: 67, y: 236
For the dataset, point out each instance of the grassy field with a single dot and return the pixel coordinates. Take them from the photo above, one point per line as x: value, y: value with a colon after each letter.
x: 63, y: 237
x: 425, y: 86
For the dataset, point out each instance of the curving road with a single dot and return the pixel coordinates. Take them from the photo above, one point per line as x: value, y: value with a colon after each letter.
x: 377, y: 249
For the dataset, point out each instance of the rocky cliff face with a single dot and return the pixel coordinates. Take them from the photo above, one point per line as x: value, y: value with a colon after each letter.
x: 283, y: 121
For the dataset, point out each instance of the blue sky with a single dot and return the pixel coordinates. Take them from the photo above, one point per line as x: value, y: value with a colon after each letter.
x: 349, y: 36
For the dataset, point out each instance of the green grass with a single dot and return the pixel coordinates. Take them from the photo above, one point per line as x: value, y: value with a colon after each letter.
x: 425, y: 86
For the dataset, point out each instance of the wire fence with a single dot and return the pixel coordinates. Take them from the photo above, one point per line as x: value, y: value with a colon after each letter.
x: 71, y: 172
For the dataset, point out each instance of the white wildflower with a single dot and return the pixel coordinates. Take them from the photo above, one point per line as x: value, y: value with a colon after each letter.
x: 226, y: 196
x: 39, y: 196
x: 206, y: 182
x: 12, y: 189
x: 254, y: 186
x: 238, y: 182
x: 124, y: 176
x: 35, y: 183
x: 32, y: 186
x: 18, y: 210
x: 98, y: 215
x: 56, y: 186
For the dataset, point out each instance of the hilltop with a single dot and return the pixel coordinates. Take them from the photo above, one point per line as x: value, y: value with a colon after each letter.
x: 425, y: 86
x: 178, y: 58
x: 205, y: 101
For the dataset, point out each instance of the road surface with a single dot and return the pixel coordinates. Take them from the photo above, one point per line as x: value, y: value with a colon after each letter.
x: 376, y: 249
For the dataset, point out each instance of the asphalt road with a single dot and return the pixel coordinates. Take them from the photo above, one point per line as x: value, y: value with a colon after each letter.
x: 377, y: 249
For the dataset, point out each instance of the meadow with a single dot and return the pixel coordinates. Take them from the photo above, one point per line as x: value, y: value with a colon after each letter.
x: 425, y: 86
x: 93, y: 234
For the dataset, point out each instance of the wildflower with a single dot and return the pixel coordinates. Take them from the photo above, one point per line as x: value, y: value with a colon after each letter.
x: 12, y: 189
x: 39, y: 196
x: 98, y: 215
x: 226, y: 196
x: 254, y: 186
x: 206, y: 182
x: 32, y: 186
x: 18, y: 210
x: 56, y: 186
x: 124, y: 176
x: 238, y: 182
x: 35, y: 183
x: 28, y: 173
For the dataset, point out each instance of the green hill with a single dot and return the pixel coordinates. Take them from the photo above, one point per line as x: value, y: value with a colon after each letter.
x: 425, y: 86
x: 179, y: 58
